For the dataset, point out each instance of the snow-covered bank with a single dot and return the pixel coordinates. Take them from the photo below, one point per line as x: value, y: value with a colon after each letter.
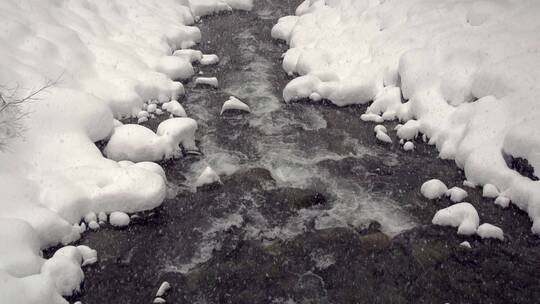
x: 468, y: 73
x: 109, y: 58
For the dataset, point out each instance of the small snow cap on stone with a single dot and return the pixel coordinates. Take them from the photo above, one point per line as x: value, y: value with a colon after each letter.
x: 93, y: 225
x: 490, y: 231
x: 210, y: 81
x: 433, y: 189
x: 408, y: 146
x: 165, y: 286
x: 380, y: 128
x: 465, y: 244
x: 234, y: 104
x: 456, y: 194
x: 119, y: 219
x: 383, y: 137
x: 175, y: 108
x: 208, y: 176
x: 461, y: 215
x: 371, y: 117
x: 490, y: 191
x: 469, y: 184
x: 502, y: 201
x: 209, y: 59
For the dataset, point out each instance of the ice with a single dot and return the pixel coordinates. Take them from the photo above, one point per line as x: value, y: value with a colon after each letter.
x: 433, y: 189
x: 490, y: 231
x: 234, y: 103
x: 119, y: 219
x: 461, y: 215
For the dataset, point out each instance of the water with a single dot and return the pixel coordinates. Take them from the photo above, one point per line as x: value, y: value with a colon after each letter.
x: 272, y: 137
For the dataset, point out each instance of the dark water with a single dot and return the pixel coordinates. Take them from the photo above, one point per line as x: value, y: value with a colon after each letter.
x: 312, y: 208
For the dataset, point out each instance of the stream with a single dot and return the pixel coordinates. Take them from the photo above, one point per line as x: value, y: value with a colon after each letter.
x: 311, y: 208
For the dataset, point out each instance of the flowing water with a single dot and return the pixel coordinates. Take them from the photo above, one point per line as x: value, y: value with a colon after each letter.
x: 308, y: 204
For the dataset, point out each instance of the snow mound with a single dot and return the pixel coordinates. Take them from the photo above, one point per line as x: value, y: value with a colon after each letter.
x: 209, y: 59
x: 137, y: 143
x: 234, y: 104
x: 490, y: 231
x: 443, y: 68
x: 119, y: 219
x: 456, y: 194
x: 175, y: 108
x: 461, y: 215
x: 433, y: 189
x: 490, y: 191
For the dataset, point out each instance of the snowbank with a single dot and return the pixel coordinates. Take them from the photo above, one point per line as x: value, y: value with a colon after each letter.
x: 467, y: 71
x: 105, y: 60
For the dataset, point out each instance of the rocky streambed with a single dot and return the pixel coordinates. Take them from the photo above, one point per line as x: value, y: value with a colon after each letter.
x: 311, y: 208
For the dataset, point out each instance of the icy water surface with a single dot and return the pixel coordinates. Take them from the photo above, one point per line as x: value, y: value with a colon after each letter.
x: 311, y: 210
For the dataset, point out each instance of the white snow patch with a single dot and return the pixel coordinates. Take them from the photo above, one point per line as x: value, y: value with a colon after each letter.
x: 119, y: 219
x: 210, y: 81
x: 234, y: 103
x: 456, y: 194
x: 433, y: 189
x: 490, y: 231
x: 461, y: 215
x: 175, y: 108
x: 490, y: 191
x: 209, y: 59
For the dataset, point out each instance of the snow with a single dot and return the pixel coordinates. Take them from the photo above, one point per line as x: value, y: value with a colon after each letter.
x: 163, y: 288
x: 175, y: 108
x: 465, y: 244
x: 502, y: 201
x: 209, y: 81
x: 119, y: 219
x: 490, y: 191
x: 383, y: 137
x: 461, y: 215
x: 137, y: 143
x: 100, y: 61
x: 490, y: 231
x: 207, y: 177
x: 209, y: 59
x: 443, y: 68
x: 234, y: 103
x: 433, y: 189
x: 456, y: 194
x: 408, y: 146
